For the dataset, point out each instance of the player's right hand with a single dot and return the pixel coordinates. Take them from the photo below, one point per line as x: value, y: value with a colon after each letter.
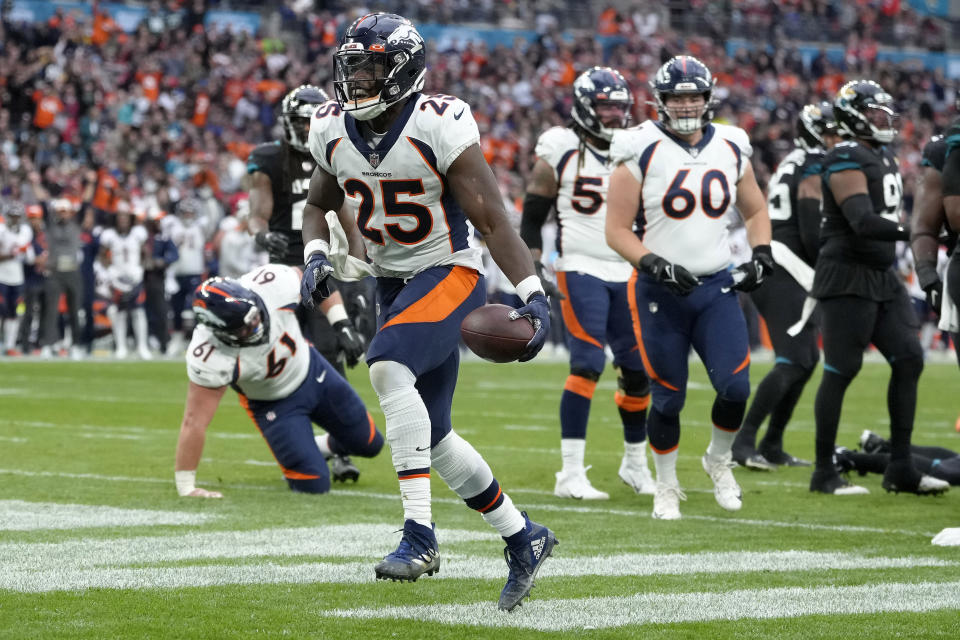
x: 272, y: 242
x: 549, y: 287
x: 203, y: 493
x: 349, y: 341
x: 675, y: 277
x: 934, y: 292
x: 313, y: 285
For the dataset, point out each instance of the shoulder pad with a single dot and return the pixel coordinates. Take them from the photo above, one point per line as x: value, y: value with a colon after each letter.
x: 264, y: 157
x: 553, y: 142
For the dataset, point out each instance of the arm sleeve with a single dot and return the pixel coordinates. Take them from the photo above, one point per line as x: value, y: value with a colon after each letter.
x: 858, y: 210
x: 536, y: 208
x: 808, y: 220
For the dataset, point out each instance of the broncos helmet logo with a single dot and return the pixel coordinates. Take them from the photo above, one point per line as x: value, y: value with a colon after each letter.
x: 406, y: 36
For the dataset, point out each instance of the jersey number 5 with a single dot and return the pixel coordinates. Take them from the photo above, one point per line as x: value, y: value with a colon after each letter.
x: 586, y: 201
x: 389, y: 190
x: 677, y: 194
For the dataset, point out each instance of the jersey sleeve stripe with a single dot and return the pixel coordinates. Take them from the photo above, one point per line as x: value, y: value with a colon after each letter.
x: 564, y: 159
x: 836, y: 167
x: 813, y: 169
x: 646, y: 156
x: 453, y: 215
x: 736, y: 152
x: 331, y: 146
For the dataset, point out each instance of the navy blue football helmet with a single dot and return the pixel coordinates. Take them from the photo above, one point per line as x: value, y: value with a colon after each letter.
x: 296, y: 110
x: 380, y: 61
x: 237, y: 316
x: 600, y: 86
x: 684, y: 75
x: 814, y: 122
x: 865, y: 111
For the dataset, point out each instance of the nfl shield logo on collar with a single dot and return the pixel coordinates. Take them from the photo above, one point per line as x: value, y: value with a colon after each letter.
x: 374, y: 159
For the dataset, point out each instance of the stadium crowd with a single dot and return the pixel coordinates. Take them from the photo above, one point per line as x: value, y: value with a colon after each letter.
x: 97, y: 124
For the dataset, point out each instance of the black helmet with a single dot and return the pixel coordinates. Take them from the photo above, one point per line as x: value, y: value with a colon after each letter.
x: 295, y: 112
x: 237, y: 316
x: 865, y: 111
x: 594, y: 87
x: 814, y: 122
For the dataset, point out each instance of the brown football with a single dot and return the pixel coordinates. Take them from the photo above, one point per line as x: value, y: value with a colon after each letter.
x: 490, y: 333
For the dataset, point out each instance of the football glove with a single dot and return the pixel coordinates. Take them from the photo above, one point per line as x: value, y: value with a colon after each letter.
x: 930, y: 282
x: 313, y: 285
x: 749, y: 275
x: 348, y: 341
x: 537, y: 312
x: 272, y: 242
x: 549, y: 287
x: 675, y: 277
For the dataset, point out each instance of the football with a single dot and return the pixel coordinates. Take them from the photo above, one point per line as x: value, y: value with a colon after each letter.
x: 490, y: 333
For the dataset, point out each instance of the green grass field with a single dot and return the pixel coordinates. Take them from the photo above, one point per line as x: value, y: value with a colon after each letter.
x: 95, y: 543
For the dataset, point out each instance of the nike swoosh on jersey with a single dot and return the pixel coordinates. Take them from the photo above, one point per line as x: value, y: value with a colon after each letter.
x: 456, y: 116
x: 321, y: 378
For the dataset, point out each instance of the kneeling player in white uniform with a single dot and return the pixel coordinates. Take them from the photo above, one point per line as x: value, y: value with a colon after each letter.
x: 248, y: 338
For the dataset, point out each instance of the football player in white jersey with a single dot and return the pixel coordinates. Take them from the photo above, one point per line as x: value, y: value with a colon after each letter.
x: 121, y: 247
x: 410, y: 171
x: 15, y: 247
x: 190, y: 236
x: 572, y: 173
x: 665, y: 214
x: 248, y: 337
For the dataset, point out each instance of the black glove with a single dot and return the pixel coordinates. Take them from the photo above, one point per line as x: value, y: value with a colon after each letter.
x: 272, y: 242
x: 676, y: 278
x: 348, y: 341
x: 750, y: 275
x: 364, y: 318
x: 313, y: 285
x: 537, y: 312
x: 549, y: 287
x: 930, y: 282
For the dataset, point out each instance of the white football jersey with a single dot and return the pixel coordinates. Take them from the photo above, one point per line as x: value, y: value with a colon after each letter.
x: 125, y: 253
x: 404, y: 210
x: 581, y: 205
x: 269, y: 371
x: 190, y: 238
x: 15, y: 243
x: 686, y: 190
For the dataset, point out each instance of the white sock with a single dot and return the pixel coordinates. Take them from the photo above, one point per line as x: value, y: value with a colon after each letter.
x: 10, y: 328
x: 407, y: 433
x: 506, y: 518
x: 323, y: 443
x: 572, y: 451
x: 140, y: 328
x: 666, y: 465
x: 720, y: 442
x: 635, y: 452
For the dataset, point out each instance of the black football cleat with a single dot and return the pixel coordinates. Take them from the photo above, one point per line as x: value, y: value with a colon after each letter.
x: 748, y: 457
x: 525, y: 563
x: 782, y: 458
x: 342, y: 469
x: 901, y: 476
x: 832, y: 483
x: 417, y: 554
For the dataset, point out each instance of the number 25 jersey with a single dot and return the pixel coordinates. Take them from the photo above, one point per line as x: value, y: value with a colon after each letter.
x: 686, y: 190
x: 405, y: 212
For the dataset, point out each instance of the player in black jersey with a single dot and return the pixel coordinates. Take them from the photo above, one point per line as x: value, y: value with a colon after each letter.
x: 862, y: 300
x: 280, y: 173
x: 794, y: 204
x: 950, y: 181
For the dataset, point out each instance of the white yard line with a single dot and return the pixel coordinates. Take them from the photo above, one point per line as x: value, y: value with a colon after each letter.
x: 18, y: 515
x: 666, y: 608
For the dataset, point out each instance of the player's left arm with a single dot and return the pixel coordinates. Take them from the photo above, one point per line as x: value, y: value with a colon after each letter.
x: 753, y: 209
x: 950, y: 182
x: 201, y: 405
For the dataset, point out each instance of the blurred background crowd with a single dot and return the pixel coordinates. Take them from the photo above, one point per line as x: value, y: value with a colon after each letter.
x: 150, y: 125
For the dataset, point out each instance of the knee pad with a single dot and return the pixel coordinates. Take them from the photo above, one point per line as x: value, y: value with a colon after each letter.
x: 461, y: 466
x: 633, y: 390
x: 581, y: 372
x: 388, y: 377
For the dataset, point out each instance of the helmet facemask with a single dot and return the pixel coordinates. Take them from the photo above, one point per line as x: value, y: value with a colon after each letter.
x: 364, y: 86
x: 251, y: 332
x: 296, y: 126
x: 883, y: 122
x: 687, y: 118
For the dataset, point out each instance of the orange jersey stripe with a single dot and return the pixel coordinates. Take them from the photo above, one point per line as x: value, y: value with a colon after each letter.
x: 442, y: 300
x: 373, y: 428
x: 419, y: 475
x: 743, y: 364
x: 635, y: 317
x: 296, y: 475
x: 569, y: 317
x: 631, y: 403
x: 580, y: 386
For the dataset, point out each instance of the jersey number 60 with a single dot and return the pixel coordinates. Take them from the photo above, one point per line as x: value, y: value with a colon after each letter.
x: 677, y: 194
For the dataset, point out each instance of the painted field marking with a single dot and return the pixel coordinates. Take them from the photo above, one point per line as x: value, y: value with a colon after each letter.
x: 666, y: 608
x: 18, y: 515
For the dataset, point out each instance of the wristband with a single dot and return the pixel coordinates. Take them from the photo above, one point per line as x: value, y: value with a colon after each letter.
x: 186, y: 481
x: 314, y: 246
x: 529, y: 286
x: 336, y: 313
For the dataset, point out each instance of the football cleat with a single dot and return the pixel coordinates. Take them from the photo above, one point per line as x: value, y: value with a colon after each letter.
x: 524, y: 563
x: 751, y: 459
x: 666, y: 501
x: 830, y: 482
x: 416, y: 555
x: 842, y: 460
x: 725, y: 487
x: 342, y: 468
x: 902, y: 476
x: 870, y: 442
x: 636, y: 474
x: 574, y: 484
x: 782, y: 458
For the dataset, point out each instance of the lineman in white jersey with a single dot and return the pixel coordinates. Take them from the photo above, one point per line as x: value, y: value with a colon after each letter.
x: 121, y: 249
x: 572, y: 172
x: 410, y: 169
x: 190, y: 236
x: 667, y: 201
x: 15, y: 248
x: 248, y: 337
